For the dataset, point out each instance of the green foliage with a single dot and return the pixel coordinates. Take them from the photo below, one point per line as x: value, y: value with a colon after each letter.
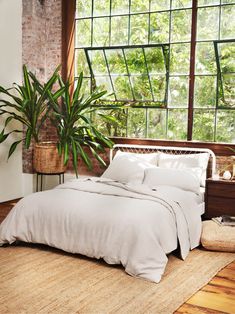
x: 27, y: 104
x: 70, y: 117
x: 169, y: 23
x: 68, y: 112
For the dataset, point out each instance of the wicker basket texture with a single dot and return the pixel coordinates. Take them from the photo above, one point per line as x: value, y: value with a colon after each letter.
x: 46, y: 158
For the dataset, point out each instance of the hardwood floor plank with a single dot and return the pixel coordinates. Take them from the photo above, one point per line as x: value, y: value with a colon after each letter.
x: 231, y: 266
x: 228, y: 273
x: 221, y: 291
x: 192, y: 309
x: 213, y: 301
x: 223, y: 282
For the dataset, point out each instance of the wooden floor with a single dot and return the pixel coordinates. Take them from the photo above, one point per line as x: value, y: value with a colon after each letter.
x: 218, y: 296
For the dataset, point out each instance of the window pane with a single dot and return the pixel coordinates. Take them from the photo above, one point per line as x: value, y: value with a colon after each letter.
x: 227, y: 57
x: 177, y: 124
x: 156, y: 123
x: 83, y: 33
x: 178, y: 91
x: 181, y: 4
x: 120, y: 6
x: 208, y: 23
x: 157, y: 5
x: 86, y: 86
x: 226, y: 88
x: 122, y: 87
x: 181, y: 25
x: 136, y: 122
x: 203, y: 125
x: 101, y: 31
x: 101, y: 7
x: 116, y: 61
x: 141, y: 87
x: 139, y: 29
x: 207, y: 2
x: 179, y: 58
x: 139, y: 6
x: 227, y: 22
x: 227, y: 91
x: 205, y: 59
x: 106, y: 127
x: 205, y: 91
x: 104, y: 83
x: 227, y: 1
x: 155, y: 60
x: 98, y: 63
x: 135, y: 61
x: 225, y: 128
x: 81, y: 64
x: 83, y: 8
x: 119, y: 30
x: 158, y: 84
x: 159, y: 27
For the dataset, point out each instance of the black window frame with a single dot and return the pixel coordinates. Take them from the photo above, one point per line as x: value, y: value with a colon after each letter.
x: 193, y: 42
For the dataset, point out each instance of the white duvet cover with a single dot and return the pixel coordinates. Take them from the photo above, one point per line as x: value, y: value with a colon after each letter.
x: 123, y: 224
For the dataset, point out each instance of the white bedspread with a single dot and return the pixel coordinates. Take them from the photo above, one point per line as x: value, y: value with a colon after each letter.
x: 101, y: 218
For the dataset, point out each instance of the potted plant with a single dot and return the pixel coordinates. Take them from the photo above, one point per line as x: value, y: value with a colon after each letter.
x: 25, y: 104
x: 69, y: 114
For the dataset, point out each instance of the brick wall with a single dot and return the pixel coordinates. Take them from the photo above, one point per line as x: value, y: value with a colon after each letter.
x: 41, y: 31
x: 42, y: 53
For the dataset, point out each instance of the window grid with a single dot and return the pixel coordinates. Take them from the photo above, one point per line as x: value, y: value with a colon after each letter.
x: 165, y: 52
x: 153, y: 11
x: 213, y: 41
x: 169, y: 74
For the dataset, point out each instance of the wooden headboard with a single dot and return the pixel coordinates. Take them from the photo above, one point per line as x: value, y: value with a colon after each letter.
x: 144, y: 149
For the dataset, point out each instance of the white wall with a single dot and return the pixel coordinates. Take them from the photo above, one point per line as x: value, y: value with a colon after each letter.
x: 10, y: 71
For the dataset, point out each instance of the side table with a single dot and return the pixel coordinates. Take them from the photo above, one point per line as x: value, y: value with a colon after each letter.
x: 40, y: 178
x: 220, y: 198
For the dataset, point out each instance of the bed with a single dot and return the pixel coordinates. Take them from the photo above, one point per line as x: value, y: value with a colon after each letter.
x: 147, y: 204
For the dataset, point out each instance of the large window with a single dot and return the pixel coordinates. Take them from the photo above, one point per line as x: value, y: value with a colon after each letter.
x: 140, y: 52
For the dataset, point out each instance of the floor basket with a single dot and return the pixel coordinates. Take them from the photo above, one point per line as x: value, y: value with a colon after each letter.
x: 46, y: 158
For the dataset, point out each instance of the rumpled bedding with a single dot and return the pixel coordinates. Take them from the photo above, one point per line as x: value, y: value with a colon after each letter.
x: 126, y: 224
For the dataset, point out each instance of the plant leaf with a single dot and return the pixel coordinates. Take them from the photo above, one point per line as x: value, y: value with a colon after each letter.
x: 28, y: 137
x: 27, y: 81
x: 84, y: 156
x: 13, y: 147
x: 75, y: 157
x: 66, y: 153
x: 3, y: 136
x: 100, y: 159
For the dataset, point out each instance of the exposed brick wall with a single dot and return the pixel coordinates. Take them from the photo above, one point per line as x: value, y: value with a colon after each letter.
x: 42, y: 53
x: 42, y: 46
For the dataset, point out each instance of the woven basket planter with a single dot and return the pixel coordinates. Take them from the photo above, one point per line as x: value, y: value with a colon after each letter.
x: 46, y: 158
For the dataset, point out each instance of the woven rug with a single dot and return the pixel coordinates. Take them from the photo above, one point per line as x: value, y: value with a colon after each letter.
x: 37, y: 279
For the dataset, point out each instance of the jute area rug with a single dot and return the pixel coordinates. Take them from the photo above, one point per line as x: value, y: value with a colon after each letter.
x: 37, y: 279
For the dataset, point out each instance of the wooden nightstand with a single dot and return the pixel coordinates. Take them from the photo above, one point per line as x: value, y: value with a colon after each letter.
x: 220, y: 198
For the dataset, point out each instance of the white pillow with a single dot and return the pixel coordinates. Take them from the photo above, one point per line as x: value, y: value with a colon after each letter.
x: 125, y: 169
x: 152, y: 158
x: 181, y: 178
x: 199, y: 160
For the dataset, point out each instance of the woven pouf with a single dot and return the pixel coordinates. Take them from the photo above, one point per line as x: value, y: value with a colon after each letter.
x: 217, y: 238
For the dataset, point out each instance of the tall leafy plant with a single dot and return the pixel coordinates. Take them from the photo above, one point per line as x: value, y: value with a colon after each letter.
x: 70, y: 114
x: 28, y: 104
